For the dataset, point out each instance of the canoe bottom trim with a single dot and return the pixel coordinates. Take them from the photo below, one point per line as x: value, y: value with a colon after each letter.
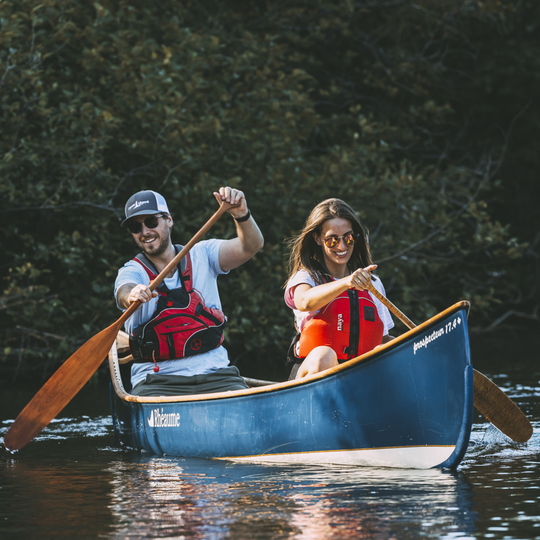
x: 406, y: 457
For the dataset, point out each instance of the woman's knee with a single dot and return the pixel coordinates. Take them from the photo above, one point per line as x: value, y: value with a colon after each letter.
x: 319, y: 359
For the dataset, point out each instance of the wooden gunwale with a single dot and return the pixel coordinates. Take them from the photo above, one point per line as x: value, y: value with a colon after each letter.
x: 271, y: 386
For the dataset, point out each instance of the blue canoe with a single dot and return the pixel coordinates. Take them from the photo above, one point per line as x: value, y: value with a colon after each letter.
x: 407, y: 404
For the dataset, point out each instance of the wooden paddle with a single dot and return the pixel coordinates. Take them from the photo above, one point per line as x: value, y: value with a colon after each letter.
x: 75, y: 372
x: 489, y: 399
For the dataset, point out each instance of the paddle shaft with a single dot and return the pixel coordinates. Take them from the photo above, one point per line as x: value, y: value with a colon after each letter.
x: 75, y: 372
x: 402, y: 317
x: 489, y: 399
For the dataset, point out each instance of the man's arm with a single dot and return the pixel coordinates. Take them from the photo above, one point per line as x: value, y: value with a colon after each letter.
x: 249, y: 240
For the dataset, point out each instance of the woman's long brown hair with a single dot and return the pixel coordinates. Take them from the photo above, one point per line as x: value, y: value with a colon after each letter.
x: 308, y: 255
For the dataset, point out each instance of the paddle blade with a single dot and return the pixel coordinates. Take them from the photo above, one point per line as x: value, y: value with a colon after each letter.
x: 58, y: 391
x: 500, y: 410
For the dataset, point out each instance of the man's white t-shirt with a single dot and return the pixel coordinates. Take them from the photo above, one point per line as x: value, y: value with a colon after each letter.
x: 205, y: 270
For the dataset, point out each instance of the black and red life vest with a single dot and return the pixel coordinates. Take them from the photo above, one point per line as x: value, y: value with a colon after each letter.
x: 181, y: 325
x: 349, y: 324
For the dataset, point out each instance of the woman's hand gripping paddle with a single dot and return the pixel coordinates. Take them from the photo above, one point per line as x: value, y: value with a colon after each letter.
x: 75, y: 372
x: 489, y: 399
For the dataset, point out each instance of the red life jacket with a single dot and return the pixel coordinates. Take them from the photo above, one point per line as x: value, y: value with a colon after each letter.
x: 349, y: 324
x: 181, y: 325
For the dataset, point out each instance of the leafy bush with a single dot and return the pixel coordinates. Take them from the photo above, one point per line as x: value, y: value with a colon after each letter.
x: 292, y: 103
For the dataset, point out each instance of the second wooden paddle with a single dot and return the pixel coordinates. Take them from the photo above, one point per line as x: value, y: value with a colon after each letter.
x: 489, y: 400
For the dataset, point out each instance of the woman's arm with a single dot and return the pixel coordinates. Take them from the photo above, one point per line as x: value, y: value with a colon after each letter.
x: 308, y: 298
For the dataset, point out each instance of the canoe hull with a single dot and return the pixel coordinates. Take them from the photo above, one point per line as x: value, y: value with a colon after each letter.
x: 406, y: 405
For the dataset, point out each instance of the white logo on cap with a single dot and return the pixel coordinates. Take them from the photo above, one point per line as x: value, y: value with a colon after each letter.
x: 137, y: 204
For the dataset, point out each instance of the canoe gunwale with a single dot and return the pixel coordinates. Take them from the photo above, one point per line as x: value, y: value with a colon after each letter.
x: 268, y: 386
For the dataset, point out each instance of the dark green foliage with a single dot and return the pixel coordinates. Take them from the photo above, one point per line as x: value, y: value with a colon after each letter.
x: 420, y: 115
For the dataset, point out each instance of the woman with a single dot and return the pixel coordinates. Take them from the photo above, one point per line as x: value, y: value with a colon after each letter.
x: 329, y: 276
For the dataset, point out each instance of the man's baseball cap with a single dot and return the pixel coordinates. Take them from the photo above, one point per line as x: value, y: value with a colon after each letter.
x: 144, y: 203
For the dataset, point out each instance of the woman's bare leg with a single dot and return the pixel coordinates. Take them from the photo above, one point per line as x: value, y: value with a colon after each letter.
x: 319, y: 359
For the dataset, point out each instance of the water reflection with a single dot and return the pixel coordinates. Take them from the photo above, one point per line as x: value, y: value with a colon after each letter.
x: 49, y: 494
x: 72, y: 483
x: 172, y: 498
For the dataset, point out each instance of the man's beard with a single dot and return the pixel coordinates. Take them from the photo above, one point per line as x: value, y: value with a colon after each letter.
x: 163, y: 245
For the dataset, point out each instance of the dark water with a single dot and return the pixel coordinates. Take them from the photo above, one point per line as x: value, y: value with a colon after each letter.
x: 72, y: 482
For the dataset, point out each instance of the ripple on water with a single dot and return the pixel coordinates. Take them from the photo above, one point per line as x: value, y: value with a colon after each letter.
x: 67, y: 428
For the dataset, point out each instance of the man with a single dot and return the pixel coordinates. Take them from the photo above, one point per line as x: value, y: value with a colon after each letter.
x: 176, y: 334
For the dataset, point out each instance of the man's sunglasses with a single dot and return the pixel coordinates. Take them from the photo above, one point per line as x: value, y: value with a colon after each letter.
x: 332, y: 241
x: 151, y: 222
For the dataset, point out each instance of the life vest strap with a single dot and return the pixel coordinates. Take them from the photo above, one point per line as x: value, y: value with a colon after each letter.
x: 181, y: 325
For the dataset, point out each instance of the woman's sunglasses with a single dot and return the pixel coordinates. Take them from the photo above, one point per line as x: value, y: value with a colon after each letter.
x: 151, y: 222
x: 332, y: 241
